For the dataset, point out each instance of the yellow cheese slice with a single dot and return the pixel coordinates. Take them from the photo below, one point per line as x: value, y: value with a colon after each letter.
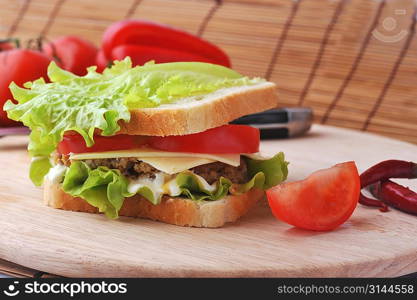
x: 143, y: 153
x: 173, y: 165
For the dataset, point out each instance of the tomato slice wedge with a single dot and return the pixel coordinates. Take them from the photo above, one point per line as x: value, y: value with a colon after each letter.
x: 223, y: 139
x: 321, y: 202
x: 74, y: 143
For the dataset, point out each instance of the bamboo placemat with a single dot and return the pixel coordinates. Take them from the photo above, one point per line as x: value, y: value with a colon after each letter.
x: 353, y: 61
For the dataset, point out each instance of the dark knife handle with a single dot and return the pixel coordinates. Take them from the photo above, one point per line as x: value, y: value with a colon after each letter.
x: 280, y: 122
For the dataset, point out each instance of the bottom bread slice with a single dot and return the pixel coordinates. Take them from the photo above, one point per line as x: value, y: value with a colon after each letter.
x: 172, y: 210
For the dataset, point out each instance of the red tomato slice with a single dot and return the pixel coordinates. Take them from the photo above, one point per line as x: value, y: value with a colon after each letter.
x: 223, y: 139
x: 74, y: 143
x: 139, y: 32
x: 142, y: 54
x: 322, y: 201
x: 72, y: 53
x: 20, y: 66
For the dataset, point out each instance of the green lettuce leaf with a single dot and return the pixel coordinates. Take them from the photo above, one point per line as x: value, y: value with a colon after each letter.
x: 195, y: 187
x: 257, y: 181
x: 99, y: 101
x: 274, y: 169
x: 263, y: 174
x: 147, y: 193
x: 106, y: 189
x: 102, y: 188
x: 149, y: 189
x: 38, y: 169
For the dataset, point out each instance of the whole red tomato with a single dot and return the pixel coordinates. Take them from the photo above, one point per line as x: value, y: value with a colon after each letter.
x: 72, y: 53
x: 20, y: 66
x: 101, y: 61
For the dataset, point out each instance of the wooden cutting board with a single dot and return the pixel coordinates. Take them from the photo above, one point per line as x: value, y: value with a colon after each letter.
x: 66, y: 243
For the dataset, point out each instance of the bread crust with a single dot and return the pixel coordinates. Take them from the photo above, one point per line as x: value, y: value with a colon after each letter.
x: 172, y: 210
x: 214, y: 110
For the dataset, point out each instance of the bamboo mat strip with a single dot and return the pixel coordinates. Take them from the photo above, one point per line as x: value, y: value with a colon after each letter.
x: 282, y: 39
x: 394, y: 70
x: 192, y: 16
x: 132, y: 9
x: 19, y: 17
x: 323, y: 45
x: 355, y: 64
x: 300, y: 51
x: 361, y: 91
x: 52, y: 17
x: 208, y: 17
x: 10, y: 20
x: 322, y: 54
x: 34, y: 20
x: 250, y: 42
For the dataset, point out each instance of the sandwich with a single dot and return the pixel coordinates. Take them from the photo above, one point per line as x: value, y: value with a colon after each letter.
x: 149, y: 141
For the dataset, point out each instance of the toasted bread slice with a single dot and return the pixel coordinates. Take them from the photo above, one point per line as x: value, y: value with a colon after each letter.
x: 172, y: 210
x: 215, y: 109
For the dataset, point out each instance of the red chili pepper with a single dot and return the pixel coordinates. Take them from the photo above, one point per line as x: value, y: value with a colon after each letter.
x: 390, y: 192
x: 145, y: 33
x: 373, y: 202
x: 396, y: 195
x: 389, y: 169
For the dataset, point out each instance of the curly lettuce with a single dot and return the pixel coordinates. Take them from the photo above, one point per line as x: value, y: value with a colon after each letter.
x: 102, y: 188
x: 100, y: 101
x: 106, y: 189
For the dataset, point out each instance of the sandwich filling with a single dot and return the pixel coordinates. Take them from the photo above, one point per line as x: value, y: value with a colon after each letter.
x: 133, y: 168
x: 74, y: 141
x: 113, y: 178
